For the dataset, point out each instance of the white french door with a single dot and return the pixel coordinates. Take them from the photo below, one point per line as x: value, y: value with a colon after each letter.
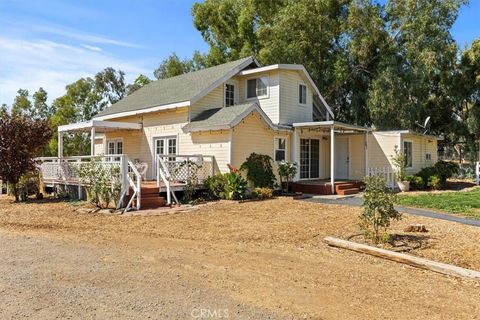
x: 163, y: 146
x: 342, y: 158
x: 309, y: 158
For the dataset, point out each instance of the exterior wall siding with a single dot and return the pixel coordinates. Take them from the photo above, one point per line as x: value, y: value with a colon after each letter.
x: 290, y: 110
x: 139, y: 144
x: 253, y: 135
x: 215, y: 99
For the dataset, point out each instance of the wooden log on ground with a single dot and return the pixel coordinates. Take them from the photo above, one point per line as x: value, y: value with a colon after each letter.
x: 417, y: 262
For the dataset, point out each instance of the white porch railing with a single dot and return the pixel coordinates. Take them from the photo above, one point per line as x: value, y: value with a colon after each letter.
x: 179, y: 169
x: 386, y: 173
x: 477, y: 173
x: 63, y: 171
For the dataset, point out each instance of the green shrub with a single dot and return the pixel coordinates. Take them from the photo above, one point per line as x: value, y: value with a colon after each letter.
x: 286, y: 170
x: 236, y: 186
x: 259, y: 170
x: 102, y: 183
x: 263, y: 193
x: 378, y: 209
x: 216, y: 185
x: 445, y: 170
x: 435, y: 182
x: 416, y: 182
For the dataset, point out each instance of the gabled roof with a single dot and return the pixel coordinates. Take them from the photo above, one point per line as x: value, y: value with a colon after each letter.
x: 295, y: 67
x: 227, y: 118
x: 178, y: 91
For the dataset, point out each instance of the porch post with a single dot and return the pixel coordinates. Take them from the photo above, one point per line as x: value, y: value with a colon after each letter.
x: 60, y: 145
x: 366, y: 153
x: 294, y: 153
x: 92, y: 141
x: 332, y: 158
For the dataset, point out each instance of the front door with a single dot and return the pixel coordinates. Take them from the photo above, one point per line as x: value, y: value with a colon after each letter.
x: 309, y: 158
x: 163, y: 146
x: 342, y: 158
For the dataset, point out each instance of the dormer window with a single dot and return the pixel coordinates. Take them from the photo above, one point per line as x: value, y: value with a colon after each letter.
x: 229, y: 95
x: 257, y: 88
x: 302, y: 94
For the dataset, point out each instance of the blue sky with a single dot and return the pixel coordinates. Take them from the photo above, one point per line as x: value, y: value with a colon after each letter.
x: 51, y: 43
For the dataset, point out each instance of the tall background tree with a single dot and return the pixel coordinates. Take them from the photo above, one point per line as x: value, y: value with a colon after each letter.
x: 21, y: 139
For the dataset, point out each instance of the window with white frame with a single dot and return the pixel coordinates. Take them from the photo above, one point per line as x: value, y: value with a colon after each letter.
x: 229, y: 95
x: 280, y: 149
x: 408, y: 152
x: 428, y: 156
x: 257, y: 88
x: 302, y: 94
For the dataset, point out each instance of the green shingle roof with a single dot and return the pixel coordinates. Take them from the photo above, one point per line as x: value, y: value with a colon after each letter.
x: 173, y: 90
x: 226, y: 118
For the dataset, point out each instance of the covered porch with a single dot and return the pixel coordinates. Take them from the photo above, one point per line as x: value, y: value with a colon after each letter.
x: 332, y: 157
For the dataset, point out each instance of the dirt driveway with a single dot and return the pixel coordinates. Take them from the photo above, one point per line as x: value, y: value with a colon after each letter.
x: 259, y: 260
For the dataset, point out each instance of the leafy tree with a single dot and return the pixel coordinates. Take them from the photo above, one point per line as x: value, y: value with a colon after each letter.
x: 21, y: 138
x: 3, y: 109
x: 110, y: 84
x: 259, y: 170
x: 40, y: 106
x: 139, y: 82
x: 173, y: 66
x: 22, y: 104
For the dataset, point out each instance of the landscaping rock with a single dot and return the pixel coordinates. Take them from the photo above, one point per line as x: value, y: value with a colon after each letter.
x: 416, y: 228
x: 106, y: 211
x: 85, y: 210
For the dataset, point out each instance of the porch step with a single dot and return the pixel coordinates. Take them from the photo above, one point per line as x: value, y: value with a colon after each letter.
x: 343, y: 192
x: 153, y: 202
x: 343, y: 186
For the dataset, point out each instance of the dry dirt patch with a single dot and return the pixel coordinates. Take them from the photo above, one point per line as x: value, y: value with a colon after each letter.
x: 270, y: 255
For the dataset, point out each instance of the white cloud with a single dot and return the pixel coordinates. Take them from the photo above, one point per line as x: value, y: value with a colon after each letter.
x: 93, y: 48
x: 85, y: 37
x: 31, y: 64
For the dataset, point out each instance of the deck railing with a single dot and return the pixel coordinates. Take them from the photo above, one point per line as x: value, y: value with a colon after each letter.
x: 180, y: 169
x: 387, y: 173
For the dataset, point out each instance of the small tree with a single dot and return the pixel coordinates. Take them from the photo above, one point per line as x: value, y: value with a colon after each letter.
x: 400, y: 163
x: 259, y: 170
x: 286, y: 170
x: 378, y: 209
x: 21, y: 139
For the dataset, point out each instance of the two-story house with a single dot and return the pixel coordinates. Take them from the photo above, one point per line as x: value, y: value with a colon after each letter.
x: 218, y: 116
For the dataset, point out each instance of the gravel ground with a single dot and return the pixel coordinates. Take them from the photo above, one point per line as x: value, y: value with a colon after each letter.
x: 255, y: 260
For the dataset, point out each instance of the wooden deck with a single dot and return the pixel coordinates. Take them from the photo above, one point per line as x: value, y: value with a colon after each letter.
x: 323, y: 187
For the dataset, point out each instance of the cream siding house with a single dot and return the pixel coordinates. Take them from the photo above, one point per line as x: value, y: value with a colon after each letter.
x: 225, y: 113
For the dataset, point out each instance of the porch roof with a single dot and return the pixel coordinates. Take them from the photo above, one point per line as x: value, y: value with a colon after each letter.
x: 100, y: 126
x: 327, y: 125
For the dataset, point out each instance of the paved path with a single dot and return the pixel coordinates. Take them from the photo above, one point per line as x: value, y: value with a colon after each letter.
x: 358, y: 201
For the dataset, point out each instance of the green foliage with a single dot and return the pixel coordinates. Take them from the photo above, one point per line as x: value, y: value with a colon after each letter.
x: 286, y: 171
x: 192, y: 178
x: 263, y: 193
x: 378, y: 209
x: 236, y: 186
x: 416, y: 182
x: 139, y: 82
x: 102, y: 182
x: 434, y: 182
x: 216, y: 185
x: 173, y: 66
x: 436, y: 176
x: 259, y: 170
x: 400, y: 163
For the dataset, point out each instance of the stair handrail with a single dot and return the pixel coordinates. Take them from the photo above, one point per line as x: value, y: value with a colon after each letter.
x: 134, y: 181
x: 164, y: 174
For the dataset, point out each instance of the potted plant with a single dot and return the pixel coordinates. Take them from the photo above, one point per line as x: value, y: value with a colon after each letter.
x: 400, y: 163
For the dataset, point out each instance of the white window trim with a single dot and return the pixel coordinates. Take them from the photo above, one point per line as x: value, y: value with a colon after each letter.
x: 266, y: 96
x: 275, y: 138
x: 298, y: 94
x: 153, y: 147
x: 107, y: 141
x: 403, y: 150
x: 235, y: 92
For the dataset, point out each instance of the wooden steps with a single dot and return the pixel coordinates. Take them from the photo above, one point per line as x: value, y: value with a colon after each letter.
x: 150, y: 196
x: 346, y: 188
